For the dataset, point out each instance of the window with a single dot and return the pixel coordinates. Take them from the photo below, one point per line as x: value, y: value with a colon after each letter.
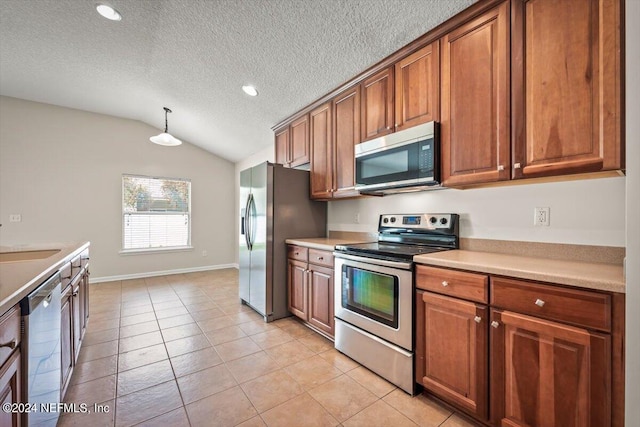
x: 156, y: 213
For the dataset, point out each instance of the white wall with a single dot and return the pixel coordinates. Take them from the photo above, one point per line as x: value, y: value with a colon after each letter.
x: 632, y: 97
x: 589, y: 212
x: 61, y: 169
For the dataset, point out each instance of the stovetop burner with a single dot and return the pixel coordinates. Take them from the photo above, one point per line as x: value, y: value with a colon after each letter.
x: 401, y: 237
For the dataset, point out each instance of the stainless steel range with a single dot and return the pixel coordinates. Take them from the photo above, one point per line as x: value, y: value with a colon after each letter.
x: 374, y: 291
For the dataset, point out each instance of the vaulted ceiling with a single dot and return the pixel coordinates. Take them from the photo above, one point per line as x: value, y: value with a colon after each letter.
x: 193, y: 56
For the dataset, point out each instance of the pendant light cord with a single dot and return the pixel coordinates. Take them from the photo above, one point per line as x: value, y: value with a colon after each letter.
x: 166, y: 122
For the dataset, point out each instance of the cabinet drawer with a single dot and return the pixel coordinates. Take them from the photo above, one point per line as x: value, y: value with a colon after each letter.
x: 297, y: 252
x: 460, y: 284
x: 9, y: 332
x: 584, y: 308
x: 321, y: 257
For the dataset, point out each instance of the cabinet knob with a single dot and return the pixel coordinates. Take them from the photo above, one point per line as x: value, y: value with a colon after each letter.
x: 495, y: 324
x: 500, y: 167
x: 539, y: 302
x: 75, y: 294
x: 517, y: 166
x: 477, y: 319
x: 320, y: 258
x: 388, y: 127
x: 11, y: 344
x: 397, y: 125
x: 445, y: 283
x: 297, y: 253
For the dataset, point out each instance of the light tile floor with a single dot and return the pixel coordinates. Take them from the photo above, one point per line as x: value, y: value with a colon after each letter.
x: 182, y: 351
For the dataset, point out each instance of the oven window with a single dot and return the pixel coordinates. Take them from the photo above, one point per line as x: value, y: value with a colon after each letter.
x: 371, y: 294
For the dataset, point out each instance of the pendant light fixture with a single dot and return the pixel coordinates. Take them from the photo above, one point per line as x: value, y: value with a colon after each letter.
x: 165, y: 138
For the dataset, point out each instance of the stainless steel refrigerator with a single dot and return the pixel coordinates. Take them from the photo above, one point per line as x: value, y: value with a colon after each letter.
x: 274, y: 206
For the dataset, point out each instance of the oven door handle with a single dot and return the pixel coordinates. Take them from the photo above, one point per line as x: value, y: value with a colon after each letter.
x: 374, y: 261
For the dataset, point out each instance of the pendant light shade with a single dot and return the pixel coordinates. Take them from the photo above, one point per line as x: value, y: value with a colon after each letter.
x: 165, y: 138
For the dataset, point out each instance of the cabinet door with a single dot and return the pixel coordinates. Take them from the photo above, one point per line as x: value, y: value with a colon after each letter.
x: 452, y: 350
x: 377, y: 105
x: 566, y: 86
x: 282, y: 146
x: 10, y: 389
x: 66, y: 338
x: 475, y: 101
x: 299, y: 145
x: 83, y: 301
x: 297, y: 284
x: 77, y: 322
x: 548, y: 374
x: 321, y: 152
x: 321, y: 298
x: 417, y: 79
x: 346, y: 119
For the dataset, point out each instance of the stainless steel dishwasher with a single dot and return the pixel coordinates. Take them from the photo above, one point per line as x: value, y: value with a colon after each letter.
x: 41, y: 363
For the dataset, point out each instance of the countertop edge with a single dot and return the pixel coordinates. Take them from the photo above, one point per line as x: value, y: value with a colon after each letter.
x: 565, y: 278
x: 25, y: 289
x: 323, y: 243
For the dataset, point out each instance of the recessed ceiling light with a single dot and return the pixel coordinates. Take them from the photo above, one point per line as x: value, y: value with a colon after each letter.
x: 250, y: 90
x: 108, y: 12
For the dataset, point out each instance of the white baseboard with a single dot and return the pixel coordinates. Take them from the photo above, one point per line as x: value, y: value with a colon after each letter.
x: 160, y: 273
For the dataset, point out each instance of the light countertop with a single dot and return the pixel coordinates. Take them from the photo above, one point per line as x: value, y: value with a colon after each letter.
x: 19, y: 278
x: 324, y: 243
x: 604, y: 277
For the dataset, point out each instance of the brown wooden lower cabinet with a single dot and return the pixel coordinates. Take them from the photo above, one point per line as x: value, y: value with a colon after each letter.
x: 310, y: 288
x: 546, y: 373
x: 452, y: 349
x: 533, y: 354
x: 66, y: 337
x: 10, y: 390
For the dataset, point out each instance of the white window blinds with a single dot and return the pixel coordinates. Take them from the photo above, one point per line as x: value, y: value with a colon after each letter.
x: 156, y: 213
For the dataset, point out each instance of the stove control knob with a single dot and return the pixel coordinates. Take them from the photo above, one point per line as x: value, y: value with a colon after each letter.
x: 385, y: 220
x: 443, y: 221
x: 433, y: 220
x: 393, y: 219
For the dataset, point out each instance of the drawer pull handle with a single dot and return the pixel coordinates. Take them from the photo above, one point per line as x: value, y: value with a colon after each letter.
x: 445, y: 283
x: 75, y: 294
x: 320, y: 258
x: 297, y: 253
x: 495, y: 324
x: 11, y: 344
x: 477, y: 319
x: 539, y: 302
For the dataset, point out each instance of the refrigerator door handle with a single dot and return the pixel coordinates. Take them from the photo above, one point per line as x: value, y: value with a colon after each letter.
x: 245, y: 223
x: 250, y: 214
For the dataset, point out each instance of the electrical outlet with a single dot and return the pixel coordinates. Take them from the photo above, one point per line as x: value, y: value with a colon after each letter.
x: 15, y: 218
x: 204, y: 253
x: 541, y: 217
x: 357, y: 218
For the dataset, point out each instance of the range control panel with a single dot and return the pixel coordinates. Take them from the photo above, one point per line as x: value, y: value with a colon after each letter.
x: 418, y: 221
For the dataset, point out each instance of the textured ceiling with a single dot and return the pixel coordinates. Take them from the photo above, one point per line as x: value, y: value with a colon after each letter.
x: 193, y: 56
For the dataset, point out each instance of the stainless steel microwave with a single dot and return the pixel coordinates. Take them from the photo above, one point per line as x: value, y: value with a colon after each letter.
x: 408, y: 160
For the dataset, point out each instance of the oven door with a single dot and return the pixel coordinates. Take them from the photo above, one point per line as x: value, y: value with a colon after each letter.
x: 375, y: 296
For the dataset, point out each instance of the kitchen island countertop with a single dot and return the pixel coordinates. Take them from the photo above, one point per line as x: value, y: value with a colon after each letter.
x: 603, y: 277
x: 19, y: 278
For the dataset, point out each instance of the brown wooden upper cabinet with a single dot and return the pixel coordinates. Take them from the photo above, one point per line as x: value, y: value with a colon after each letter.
x: 335, y: 130
x: 321, y: 152
x: 346, y: 120
x: 417, y: 92
x: 566, y: 87
x: 377, y: 105
x: 292, y: 143
x: 403, y: 95
x: 475, y: 100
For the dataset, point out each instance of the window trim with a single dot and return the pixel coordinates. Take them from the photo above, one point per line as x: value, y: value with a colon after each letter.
x: 149, y: 250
